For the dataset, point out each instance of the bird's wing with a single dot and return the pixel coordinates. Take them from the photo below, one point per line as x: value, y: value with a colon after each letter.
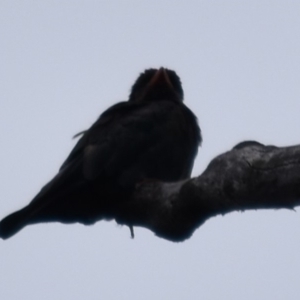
x: 70, y: 175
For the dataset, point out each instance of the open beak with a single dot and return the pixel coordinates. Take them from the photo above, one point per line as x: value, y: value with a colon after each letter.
x: 160, y: 79
x: 160, y: 87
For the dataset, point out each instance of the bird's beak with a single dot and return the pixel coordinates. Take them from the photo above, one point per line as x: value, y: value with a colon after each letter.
x: 160, y: 87
x: 160, y: 78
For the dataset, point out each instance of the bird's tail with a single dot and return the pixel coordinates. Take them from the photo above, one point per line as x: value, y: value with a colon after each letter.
x: 13, y: 223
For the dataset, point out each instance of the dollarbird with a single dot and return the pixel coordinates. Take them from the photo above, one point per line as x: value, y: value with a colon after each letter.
x: 152, y: 136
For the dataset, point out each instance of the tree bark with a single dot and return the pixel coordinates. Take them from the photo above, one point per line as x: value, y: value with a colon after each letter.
x: 250, y: 176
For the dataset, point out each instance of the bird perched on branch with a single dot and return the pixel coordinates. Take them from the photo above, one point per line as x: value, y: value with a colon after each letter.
x: 152, y: 136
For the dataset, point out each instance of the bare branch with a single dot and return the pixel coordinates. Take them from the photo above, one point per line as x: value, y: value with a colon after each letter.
x: 250, y: 176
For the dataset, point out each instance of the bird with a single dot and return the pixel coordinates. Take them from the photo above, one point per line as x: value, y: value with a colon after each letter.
x: 151, y: 136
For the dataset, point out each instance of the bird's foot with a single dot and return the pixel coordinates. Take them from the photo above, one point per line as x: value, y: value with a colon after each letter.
x: 131, y: 231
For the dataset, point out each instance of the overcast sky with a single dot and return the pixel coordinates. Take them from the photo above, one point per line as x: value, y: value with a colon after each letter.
x: 63, y: 62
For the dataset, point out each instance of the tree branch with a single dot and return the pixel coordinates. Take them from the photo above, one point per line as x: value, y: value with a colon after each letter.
x: 250, y: 176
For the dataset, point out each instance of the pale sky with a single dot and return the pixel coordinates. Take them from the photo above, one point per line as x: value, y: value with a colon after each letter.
x: 63, y: 62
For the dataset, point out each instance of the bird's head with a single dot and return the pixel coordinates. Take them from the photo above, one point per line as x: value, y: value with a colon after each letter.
x: 153, y: 84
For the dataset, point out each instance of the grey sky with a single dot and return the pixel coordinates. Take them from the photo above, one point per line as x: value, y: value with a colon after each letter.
x: 63, y: 62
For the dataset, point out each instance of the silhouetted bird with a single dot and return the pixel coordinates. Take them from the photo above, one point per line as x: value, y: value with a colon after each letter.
x: 152, y: 136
